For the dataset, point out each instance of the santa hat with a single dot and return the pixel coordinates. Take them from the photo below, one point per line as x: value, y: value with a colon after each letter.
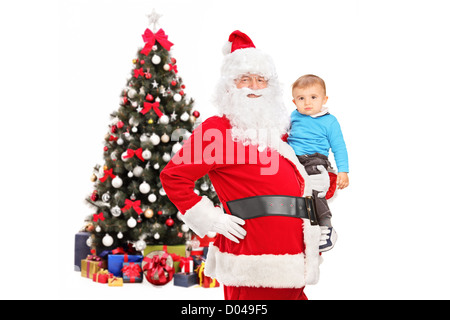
x: 241, y: 57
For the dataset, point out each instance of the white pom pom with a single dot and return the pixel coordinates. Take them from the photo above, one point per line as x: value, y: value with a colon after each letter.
x: 226, y: 49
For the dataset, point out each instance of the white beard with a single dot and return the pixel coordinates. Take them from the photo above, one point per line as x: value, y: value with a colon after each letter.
x: 259, y: 121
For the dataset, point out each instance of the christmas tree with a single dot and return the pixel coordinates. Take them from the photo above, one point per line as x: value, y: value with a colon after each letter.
x: 153, y: 119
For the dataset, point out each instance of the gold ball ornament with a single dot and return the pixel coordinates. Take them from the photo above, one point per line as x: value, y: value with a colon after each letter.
x: 150, y: 121
x: 148, y: 213
x: 93, y: 177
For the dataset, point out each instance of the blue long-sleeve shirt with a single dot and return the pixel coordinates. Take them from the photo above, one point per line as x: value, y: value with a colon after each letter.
x: 310, y: 135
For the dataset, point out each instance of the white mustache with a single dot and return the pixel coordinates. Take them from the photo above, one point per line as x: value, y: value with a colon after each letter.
x: 246, y: 91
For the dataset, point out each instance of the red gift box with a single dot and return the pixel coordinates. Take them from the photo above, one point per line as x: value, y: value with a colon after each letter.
x: 202, y: 244
x: 132, y: 272
x: 102, y: 276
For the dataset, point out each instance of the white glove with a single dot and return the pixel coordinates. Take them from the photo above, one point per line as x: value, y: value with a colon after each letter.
x: 205, y: 217
x: 320, y: 182
x: 229, y: 226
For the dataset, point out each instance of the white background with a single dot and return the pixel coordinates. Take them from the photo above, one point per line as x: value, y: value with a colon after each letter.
x: 387, y: 70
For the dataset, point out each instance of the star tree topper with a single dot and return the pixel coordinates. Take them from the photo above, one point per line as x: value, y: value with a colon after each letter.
x: 153, y: 18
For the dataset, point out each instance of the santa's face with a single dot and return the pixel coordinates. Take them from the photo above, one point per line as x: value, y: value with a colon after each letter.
x: 251, y: 81
x: 254, y: 107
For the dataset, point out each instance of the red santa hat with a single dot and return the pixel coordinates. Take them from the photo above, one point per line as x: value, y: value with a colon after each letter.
x: 242, y: 57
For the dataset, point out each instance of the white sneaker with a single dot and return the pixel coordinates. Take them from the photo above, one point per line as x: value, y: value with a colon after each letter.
x: 328, y: 239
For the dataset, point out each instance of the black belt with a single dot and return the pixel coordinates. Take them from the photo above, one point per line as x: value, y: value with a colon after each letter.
x: 262, y: 206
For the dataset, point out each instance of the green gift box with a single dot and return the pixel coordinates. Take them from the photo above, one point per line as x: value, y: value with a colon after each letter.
x: 176, y: 252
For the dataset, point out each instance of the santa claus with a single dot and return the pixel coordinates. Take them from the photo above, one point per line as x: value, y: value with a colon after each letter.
x: 268, y: 239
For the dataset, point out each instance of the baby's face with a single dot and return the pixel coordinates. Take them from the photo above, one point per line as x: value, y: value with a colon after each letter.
x: 309, y: 101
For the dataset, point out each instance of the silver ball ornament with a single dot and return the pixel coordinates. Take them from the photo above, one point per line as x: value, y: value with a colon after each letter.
x: 131, y: 223
x: 164, y: 119
x: 155, y: 139
x: 177, y: 97
x: 156, y: 59
x: 146, y: 154
x: 144, y: 187
x: 117, y: 182
x: 116, y: 211
x: 140, y: 245
x: 107, y: 240
x: 152, y: 198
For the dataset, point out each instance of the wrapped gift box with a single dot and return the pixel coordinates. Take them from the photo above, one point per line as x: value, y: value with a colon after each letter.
x: 132, y: 272
x: 204, y: 281
x: 115, y: 282
x: 115, y: 262
x: 176, y: 252
x: 102, y: 276
x: 203, y: 244
x: 187, y: 264
x: 158, y: 268
x: 185, y: 279
x: 92, y: 264
x: 198, y: 260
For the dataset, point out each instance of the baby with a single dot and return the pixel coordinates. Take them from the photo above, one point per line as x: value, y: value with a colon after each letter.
x: 313, y: 132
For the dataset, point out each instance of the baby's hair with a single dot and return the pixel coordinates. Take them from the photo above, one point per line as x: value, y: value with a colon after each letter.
x: 308, y: 80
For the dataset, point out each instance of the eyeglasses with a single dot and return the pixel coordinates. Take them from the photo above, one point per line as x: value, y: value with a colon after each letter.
x: 247, y: 79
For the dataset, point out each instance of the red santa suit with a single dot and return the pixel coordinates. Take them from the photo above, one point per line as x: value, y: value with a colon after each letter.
x: 278, y: 251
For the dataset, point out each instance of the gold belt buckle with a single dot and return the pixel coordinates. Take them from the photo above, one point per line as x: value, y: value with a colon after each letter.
x: 311, y: 210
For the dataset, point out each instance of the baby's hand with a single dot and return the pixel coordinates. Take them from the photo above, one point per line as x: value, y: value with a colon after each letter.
x: 342, y: 180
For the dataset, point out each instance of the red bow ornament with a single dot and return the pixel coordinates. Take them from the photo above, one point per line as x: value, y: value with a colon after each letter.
x: 150, y: 38
x: 138, y: 72
x: 136, y: 205
x: 108, y: 173
x: 152, y: 106
x: 98, y: 217
x: 131, y: 153
x: 173, y: 67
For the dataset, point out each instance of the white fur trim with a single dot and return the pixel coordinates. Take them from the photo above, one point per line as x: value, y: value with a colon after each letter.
x: 226, y: 49
x: 268, y: 270
x: 199, y: 218
x: 248, y: 60
x: 311, y: 235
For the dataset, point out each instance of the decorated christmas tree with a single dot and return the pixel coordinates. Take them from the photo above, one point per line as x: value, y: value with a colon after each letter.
x: 153, y: 119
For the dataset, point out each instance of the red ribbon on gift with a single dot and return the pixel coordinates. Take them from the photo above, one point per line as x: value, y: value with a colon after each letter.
x: 119, y: 250
x: 138, y: 72
x: 185, y: 262
x: 150, y: 38
x: 108, y: 173
x: 93, y: 258
x: 132, y: 271
x: 152, y: 106
x: 98, y: 217
x: 174, y: 256
x: 158, y: 265
x: 131, y: 153
x: 136, y: 205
